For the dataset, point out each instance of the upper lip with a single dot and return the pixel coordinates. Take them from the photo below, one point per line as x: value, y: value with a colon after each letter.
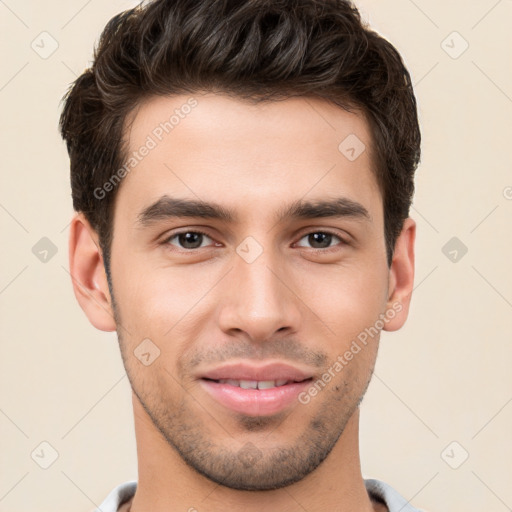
x: 265, y: 372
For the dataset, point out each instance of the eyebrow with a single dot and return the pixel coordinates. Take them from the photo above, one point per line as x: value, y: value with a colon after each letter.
x: 168, y: 207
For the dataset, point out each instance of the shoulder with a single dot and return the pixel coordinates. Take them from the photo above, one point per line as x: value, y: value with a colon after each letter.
x: 119, y: 496
x: 382, y: 493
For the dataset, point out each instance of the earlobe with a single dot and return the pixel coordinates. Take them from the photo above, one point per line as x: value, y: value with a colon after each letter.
x: 88, y: 274
x: 401, y: 277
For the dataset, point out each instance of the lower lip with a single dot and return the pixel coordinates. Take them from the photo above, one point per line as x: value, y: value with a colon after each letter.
x: 255, y: 402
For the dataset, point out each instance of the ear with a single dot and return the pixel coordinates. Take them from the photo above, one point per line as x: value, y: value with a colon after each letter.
x: 401, y: 276
x: 88, y: 274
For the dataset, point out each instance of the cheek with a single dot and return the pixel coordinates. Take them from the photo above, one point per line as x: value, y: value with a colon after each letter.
x: 159, y: 307
x: 147, y: 294
x: 346, y: 298
x: 164, y: 304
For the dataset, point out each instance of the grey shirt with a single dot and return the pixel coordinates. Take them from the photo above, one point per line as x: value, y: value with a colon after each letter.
x: 378, y: 491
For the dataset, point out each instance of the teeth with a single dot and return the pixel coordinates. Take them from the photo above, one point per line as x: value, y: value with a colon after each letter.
x: 254, y: 384
x: 249, y: 384
x: 267, y: 384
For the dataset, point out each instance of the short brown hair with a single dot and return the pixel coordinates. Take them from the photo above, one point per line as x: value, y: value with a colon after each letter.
x: 252, y: 49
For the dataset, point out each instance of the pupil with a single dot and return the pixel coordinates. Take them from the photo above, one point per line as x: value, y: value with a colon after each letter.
x: 324, y: 239
x: 190, y: 240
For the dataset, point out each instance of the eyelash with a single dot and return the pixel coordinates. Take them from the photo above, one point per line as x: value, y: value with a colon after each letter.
x: 335, y: 247
x: 167, y: 240
x: 198, y: 231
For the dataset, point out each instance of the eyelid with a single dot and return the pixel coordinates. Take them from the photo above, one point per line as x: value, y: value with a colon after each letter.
x: 342, y: 239
x: 169, y: 236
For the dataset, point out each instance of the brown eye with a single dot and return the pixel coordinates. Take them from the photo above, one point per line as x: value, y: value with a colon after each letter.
x: 320, y: 239
x: 188, y: 239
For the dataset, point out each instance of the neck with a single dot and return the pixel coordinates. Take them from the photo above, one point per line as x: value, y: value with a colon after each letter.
x: 167, y: 484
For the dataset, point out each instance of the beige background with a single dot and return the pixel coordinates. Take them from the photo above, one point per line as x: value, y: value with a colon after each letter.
x: 445, y: 377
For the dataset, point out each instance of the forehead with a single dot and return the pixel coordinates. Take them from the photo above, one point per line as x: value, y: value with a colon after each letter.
x: 245, y: 155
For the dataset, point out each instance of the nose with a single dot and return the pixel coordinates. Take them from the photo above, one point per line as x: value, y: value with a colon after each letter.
x: 259, y: 299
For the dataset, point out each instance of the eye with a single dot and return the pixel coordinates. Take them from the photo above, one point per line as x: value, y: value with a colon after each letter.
x: 188, y: 239
x: 320, y: 239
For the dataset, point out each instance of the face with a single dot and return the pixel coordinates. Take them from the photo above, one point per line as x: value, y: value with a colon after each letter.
x: 248, y: 257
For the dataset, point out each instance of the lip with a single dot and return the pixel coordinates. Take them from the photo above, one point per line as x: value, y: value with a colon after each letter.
x: 255, y: 402
x: 244, y: 371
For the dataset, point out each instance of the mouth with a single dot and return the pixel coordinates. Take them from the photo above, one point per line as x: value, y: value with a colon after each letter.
x: 255, y: 391
x: 257, y: 384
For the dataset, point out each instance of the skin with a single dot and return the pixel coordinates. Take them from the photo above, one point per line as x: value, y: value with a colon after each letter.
x: 297, y: 302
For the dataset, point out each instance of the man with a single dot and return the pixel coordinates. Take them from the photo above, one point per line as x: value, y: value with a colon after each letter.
x: 242, y: 173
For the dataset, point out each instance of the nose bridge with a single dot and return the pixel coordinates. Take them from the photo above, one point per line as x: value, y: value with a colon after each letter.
x: 258, y: 302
